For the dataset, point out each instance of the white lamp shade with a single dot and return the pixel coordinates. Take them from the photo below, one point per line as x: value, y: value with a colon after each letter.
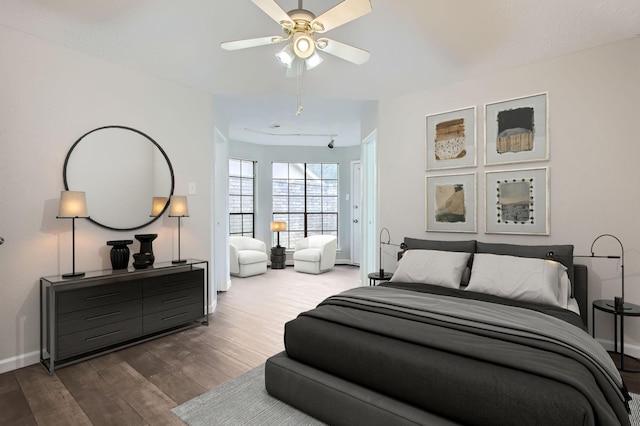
x: 157, y: 205
x: 286, y: 55
x: 178, y: 206
x: 313, y: 61
x: 278, y: 226
x: 72, y: 204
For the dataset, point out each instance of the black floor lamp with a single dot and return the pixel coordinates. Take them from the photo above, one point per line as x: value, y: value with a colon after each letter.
x: 73, y: 204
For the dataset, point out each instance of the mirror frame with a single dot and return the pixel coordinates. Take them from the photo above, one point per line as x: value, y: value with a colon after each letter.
x: 164, y: 154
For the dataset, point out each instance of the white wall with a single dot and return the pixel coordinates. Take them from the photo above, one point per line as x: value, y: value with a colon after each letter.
x: 594, y: 160
x: 50, y: 96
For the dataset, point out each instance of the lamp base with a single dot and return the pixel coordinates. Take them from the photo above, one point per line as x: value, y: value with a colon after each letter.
x: 179, y: 261
x: 73, y: 275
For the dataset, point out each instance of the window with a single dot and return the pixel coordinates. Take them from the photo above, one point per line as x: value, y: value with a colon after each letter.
x: 241, y: 200
x: 305, y: 196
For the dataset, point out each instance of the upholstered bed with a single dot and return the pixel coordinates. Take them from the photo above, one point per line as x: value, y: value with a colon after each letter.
x: 465, y: 333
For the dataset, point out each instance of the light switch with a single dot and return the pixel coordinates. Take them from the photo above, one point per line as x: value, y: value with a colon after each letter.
x: 192, y: 188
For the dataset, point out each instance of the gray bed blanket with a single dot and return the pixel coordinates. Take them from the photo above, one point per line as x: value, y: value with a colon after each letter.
x: 462, y: 324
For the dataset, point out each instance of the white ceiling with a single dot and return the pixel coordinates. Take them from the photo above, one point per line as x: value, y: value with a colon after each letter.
x: 414, y: 45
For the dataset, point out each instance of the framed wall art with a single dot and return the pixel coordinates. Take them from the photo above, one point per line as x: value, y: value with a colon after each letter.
x: 517, y: 202
x: 451, y: 139
x: 516, y: 130
x: 451, y: 203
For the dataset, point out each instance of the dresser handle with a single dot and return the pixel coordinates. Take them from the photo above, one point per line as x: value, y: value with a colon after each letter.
x: 103, y: 335
x: 102, y: 296
x: 175, y: 299
x: 175, y: 316
x: 110, y: 314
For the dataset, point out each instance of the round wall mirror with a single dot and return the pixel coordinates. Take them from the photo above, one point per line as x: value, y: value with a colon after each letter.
x: 121, y: 170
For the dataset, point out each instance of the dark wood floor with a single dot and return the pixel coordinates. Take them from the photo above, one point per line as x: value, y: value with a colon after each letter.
x: 141, y: 384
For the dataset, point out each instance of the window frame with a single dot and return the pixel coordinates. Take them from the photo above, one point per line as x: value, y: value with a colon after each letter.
x: 326, y: 196
x: 242, y: 177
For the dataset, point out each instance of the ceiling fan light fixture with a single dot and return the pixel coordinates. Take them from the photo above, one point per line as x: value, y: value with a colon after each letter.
x: 286, y: 55
x: 313, y: 61
x: 303, y: 45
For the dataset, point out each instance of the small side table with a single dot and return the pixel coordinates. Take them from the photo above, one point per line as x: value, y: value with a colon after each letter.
x: 630, y: 310
x: 278, y: 257
x: 375, y: 276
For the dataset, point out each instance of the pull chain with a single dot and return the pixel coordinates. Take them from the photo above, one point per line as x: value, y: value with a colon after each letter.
x: 299, y: 64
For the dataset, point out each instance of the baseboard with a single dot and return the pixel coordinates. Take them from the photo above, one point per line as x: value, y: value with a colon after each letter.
x: 225, y: 287
x: 20, y: 361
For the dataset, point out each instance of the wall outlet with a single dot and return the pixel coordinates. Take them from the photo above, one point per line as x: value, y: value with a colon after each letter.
x: 192, y: 188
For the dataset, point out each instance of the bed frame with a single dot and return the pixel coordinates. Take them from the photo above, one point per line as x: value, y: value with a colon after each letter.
x: 337, y: 401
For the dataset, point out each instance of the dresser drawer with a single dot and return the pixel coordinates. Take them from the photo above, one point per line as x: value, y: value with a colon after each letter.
x: 100, y: 295
x: 98, y: 338
x: 98, y: 316
x: 172, y: 317
x: 164, y: 301
x: 173, y: 282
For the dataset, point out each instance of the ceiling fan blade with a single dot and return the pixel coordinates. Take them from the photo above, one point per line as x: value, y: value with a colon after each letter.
x: 271, y: 8
x: 250, y: 42
x: 340, y: 14
x: 343, y: 51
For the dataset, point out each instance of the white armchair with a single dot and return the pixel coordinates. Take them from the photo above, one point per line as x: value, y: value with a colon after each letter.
x: 247, y: 256
x: 315, y: 254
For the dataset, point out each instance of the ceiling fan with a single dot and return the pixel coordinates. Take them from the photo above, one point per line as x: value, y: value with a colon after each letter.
x: 301, y: 26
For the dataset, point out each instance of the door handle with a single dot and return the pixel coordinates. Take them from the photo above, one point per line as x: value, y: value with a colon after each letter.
x: 1, y: 240
x: 355, y: 220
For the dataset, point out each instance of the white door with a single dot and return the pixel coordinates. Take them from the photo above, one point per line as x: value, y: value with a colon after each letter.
x: 356, y: 217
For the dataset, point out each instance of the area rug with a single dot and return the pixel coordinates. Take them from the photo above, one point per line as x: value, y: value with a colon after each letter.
x: 241, y: 401
x: 244, y: 401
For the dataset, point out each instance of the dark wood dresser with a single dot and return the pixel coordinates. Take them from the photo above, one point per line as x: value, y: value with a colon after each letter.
x: 107, y: 310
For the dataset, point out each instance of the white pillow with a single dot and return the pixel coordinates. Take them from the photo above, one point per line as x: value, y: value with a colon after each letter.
x: 519, y: 278
x: 565, y: 289
x: 443, y: 268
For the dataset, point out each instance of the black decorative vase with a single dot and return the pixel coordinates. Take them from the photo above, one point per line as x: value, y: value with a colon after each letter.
x: 146, y: 247
x: 119, y: 253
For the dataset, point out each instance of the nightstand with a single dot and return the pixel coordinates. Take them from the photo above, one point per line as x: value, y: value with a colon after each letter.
x: 375, y: 276
x: 630, y: 310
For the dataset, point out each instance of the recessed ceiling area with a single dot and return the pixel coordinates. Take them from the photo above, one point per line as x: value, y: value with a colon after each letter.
x: 272, y: 120
x: 414, y: 44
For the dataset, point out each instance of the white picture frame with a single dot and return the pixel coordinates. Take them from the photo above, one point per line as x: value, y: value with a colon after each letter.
x: 517, y: 201
x: 451, y: 203
x: 516, y: 130
x: 450, y: 139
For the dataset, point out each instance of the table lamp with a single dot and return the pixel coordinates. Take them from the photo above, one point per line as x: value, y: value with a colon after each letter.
x: 73, y: 204
x: 277, y: 227
x: 178, y: 207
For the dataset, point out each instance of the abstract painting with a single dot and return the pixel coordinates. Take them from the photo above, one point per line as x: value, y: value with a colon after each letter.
x: 516, y: 130
x: 451, y: 139
x: 451, y: 203
x: 517, y: 202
